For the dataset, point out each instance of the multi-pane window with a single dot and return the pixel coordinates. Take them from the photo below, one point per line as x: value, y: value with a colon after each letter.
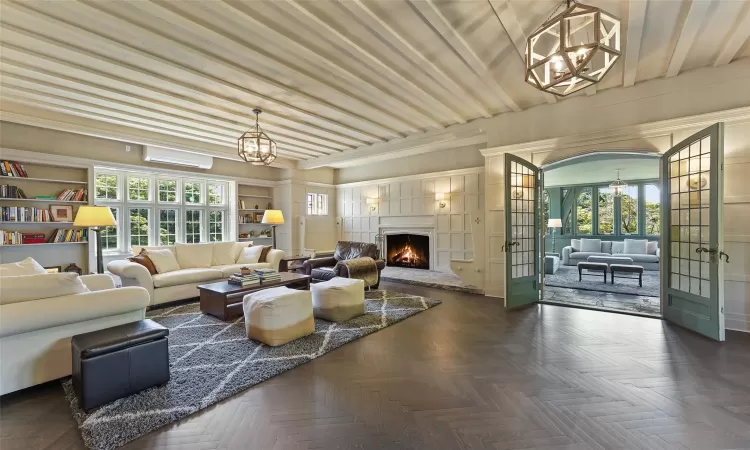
x: 215, y: 226
x: 545, y: 210
x: 139, y: 226
x: 192, y: 192
x: 584, y: 213
x: 215, y: 194
x: 629, y: 210
x: 167, y: 191
x: 109, y: 234
x: 317, y: 204
x: 167, y: 226
x: 139, y: 188
x: 105, y: 187
x: 606, y: 211
x: 653, y: 206
x: 192, y: 226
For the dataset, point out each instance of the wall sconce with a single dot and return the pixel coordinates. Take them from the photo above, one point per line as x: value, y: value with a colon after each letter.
x: 440, y: 197
x: 373, y: 202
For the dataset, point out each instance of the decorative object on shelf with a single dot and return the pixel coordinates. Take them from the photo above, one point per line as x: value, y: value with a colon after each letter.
x: 255, y: 147
x: 269, y: 206
x: 695, y: 182
x: 251, y: 233
x: 440, y: 197
x: 61, y: 213
x: 552, y: 224
x: 73, y: 268
x: 618, y: 186
x: 373, y: 202
x: 243, y: 235
x: 54, y: 269
x: 257, y: 217
x: 96, y: 218
x: 256, y: 207
x: 273, y: 217
x: 242, y: 204
x: 572, y: 50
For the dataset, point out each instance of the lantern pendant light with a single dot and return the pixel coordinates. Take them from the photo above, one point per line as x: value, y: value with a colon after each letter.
x: 618, y: 186
x: 572, y: 50
x: 255, y: 147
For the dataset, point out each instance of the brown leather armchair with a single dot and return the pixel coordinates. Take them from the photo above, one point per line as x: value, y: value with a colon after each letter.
x: 323, y: 269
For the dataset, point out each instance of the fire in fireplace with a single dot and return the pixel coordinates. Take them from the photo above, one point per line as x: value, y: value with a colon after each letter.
x: 408, y: 250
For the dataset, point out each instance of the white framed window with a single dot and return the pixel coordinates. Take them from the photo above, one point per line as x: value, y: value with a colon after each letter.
x: 167, y: 190
x: 193, y: 192
x: 216, y: 193
x: 139, y: 189
x: 317, y: 204
x: 110, y: 241
x: 215, y: 226
x: 193, y: 225
x: 140, y: 225
x: 106, y: 187
x: 168, y: 226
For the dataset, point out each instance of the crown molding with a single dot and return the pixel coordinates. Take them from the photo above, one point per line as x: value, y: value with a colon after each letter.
x: 647, y: 130
x: 290, y: 181
x: 421, y: 176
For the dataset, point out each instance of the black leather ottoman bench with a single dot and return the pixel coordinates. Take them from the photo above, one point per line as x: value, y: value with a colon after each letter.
x: 627, y: 268
x: 119, y: 361
x: 592, y: 267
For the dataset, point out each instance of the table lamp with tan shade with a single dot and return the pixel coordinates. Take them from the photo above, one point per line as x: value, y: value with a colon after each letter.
x: 273, y: 217
x: 95, y: 218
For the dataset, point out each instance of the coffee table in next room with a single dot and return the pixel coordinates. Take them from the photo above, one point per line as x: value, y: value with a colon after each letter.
x: 224, y: 300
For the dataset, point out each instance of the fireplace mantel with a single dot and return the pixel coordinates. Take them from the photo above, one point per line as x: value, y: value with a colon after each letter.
x: 421, y: 225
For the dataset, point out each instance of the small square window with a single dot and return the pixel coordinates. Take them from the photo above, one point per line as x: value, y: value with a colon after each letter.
x: 139, y: 188
x: 215, y: 194
x: 193, y: 192
x: 317, y: 204
x: 192, y: 226
x: 106, y: 187
x: 167, y: 191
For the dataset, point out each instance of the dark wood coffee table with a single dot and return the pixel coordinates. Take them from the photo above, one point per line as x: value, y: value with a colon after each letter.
x: 224, y: 300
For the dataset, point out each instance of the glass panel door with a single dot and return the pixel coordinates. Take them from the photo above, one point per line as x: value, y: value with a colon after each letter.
x: 692, y: 241
x: 522, y: 231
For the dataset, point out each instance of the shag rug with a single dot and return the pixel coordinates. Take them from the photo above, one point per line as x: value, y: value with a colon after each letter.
x: 567, y: 277
x: 211, y: 360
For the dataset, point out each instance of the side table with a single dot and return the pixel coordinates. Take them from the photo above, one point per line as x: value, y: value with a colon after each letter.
x: 292, y: 264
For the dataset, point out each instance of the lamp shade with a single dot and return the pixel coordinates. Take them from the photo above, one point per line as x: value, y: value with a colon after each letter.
x: 273, y: 217
x: 94, y: 216
x: 554, y: 223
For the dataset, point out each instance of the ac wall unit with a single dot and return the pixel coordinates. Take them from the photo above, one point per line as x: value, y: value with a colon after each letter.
x: 176, y: 157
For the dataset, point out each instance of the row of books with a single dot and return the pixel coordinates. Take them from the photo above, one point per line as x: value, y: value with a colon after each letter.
x: 257, y: 276
x: 76, y: 195
x: 25, y: 214
x: 11, y: 169
x: 18, y: 238
x: 10, y: 191
x: 69, y: 236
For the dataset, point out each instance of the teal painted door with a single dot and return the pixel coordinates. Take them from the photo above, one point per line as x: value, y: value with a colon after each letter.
x: 692, y: 242
x: 522, y: 232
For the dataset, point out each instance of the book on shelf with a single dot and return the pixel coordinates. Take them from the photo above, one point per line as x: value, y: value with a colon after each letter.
x: 10, y: 191
x: 74, y: 195
x: 33, y: 238
x: 24, y: 214
x: 11, y: 169
x: 68, y: 235
x: 11, y: 237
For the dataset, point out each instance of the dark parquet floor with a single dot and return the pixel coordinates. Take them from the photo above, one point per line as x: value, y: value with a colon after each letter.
x: 465, y: 375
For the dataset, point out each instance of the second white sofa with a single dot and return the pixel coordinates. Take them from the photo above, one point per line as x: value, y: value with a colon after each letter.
x: 198, y: 264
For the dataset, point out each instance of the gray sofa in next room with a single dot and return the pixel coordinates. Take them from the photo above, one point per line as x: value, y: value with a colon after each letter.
x: 643, y: 252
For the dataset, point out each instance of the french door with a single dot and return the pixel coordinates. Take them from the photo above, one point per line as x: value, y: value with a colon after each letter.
x: 522, y: 232
x: 692, y: 281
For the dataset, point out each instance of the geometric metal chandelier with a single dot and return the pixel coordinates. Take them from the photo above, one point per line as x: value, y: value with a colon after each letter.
x: 255, y: 147
x: 572, y: 50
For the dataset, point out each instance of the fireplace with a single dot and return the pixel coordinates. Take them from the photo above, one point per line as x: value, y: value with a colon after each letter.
x: 408, y: 250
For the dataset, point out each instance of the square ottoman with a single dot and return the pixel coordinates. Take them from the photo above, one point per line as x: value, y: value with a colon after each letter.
x: 116, y: 362
x: 338, y: 299
x: 279, y: 315
x: 551, y: 264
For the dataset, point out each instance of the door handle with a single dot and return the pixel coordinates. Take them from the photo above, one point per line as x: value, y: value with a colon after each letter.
x: 705, y: 250
x: 726, y: 256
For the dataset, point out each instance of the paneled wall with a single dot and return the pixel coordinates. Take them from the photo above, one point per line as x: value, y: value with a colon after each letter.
x: 412, y: 200
x: 301, y: 231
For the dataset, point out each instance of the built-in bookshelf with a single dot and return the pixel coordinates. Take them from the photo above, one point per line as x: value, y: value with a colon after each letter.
x: 252, y: 202
x: 30, y: 221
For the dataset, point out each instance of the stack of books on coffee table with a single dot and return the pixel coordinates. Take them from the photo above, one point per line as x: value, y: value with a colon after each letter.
x: 238, y: 279
x: 266, y: 275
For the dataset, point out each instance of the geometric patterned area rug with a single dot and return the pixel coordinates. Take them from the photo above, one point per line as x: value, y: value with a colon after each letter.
x: 211, y: 360
x: 567, y: 277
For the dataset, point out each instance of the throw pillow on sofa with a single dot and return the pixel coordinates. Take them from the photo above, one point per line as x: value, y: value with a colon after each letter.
x: 636, y: 247
x: 591, y: 245
x: 194, y: 256
x: 576, y: 244
x: 145, y: 261
x: 163, y: 260
x: 264, y: 253
x: 652, y: 247
x: 33, y: 287
x: 618, y: 247
x: 26, y: 267
x: 250, y: 255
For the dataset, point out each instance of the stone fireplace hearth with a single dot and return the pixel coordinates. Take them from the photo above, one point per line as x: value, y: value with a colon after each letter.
x: 408, y: 250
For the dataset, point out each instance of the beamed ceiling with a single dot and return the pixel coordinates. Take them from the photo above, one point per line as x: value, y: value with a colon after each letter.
x: 331, y: 76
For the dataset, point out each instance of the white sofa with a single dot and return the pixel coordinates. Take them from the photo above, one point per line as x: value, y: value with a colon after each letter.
x: 581, y: 249
x: 35, y: 333
x: 199, y: 264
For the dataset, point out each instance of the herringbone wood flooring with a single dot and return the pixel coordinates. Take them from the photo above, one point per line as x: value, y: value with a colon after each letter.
x: 466, y: 375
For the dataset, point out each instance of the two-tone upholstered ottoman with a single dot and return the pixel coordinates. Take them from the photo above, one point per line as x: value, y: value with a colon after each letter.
x: 279, y: 315
x: 338, y: 299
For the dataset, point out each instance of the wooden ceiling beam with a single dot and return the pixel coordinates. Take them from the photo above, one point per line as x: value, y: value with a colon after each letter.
x: 442, y: 106
x: 688, y: 32
x: 737, y: 36
x: 417, y: 57
x: 430, y: 13
x: 635, y: 24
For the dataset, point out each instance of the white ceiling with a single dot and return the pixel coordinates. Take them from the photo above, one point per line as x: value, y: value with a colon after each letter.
x: 602, y: 170
x: 331, y: 76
